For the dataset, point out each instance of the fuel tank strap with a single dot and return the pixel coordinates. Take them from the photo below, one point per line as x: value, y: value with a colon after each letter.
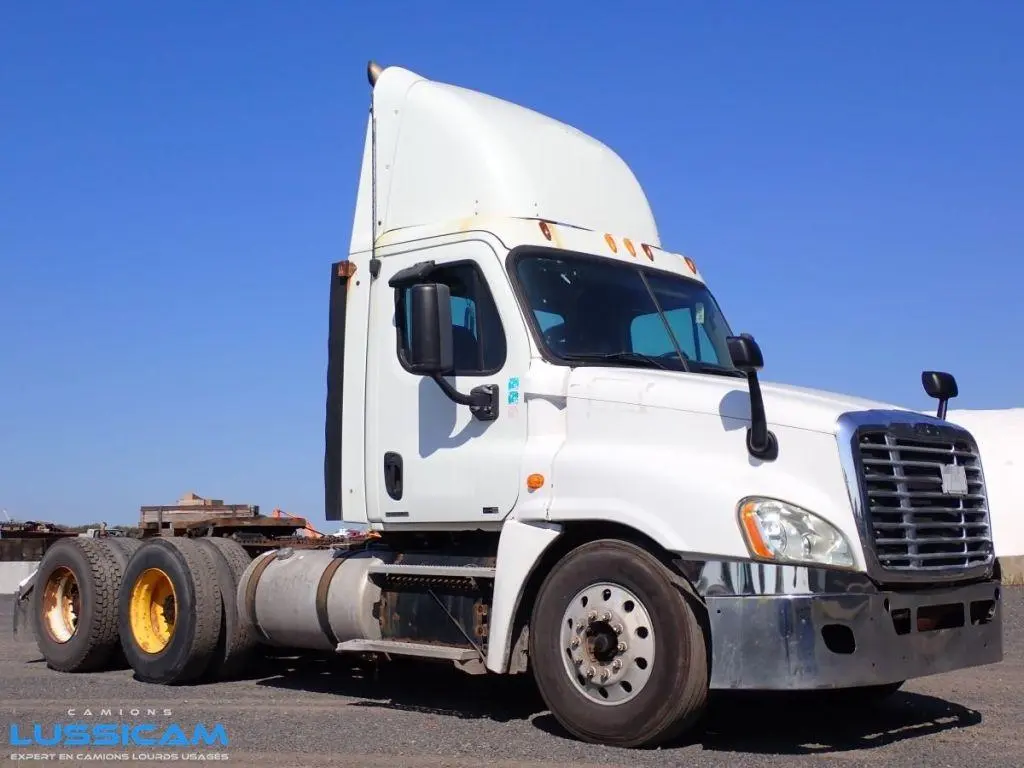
x: 250, y: 593
x: 321, y: 598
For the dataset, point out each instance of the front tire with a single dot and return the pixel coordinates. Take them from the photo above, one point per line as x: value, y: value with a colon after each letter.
x: 617, y: 648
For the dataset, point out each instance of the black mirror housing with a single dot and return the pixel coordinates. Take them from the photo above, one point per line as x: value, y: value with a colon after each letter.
x: 745, y: 353
x: 430, y: 329
x: 431, y: 348
x: 942, y: 386
x: 746, y: 356
x: 939, y: 384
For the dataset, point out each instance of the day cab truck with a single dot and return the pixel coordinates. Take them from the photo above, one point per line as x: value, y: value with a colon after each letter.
x: 571, y: 465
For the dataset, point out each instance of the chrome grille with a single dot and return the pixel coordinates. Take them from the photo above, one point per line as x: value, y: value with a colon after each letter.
x: 914, y: 523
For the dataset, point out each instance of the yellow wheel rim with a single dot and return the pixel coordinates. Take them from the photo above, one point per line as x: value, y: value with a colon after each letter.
x: 153, y: 609
x: 61, y: 605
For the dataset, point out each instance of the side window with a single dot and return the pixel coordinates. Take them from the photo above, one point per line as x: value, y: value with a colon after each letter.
x: 478, y: 338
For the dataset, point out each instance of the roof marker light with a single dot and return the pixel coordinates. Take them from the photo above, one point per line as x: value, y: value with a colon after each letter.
x: 545, y: 230
x: 690, y: 264
x: 629, y: 246
x: 648, y: 251
x: 611, y: 243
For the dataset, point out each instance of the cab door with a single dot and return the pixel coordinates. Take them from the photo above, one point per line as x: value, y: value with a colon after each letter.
x: 430, y: 460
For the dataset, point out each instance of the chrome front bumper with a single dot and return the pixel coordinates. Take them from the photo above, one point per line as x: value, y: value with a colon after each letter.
x: 800, y: 639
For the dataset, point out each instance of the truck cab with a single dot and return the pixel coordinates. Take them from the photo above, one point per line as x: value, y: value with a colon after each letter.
x: 569, y: 466
x: 514, y: 354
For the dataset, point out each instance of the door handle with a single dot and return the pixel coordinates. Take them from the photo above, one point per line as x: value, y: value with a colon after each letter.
x: 393, y: 474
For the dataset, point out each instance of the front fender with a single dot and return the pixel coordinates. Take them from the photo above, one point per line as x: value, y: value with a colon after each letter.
x: 677, y: 476
x: 519, y: 549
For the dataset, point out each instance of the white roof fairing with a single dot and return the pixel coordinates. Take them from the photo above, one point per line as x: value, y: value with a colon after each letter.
x: 446, y: 153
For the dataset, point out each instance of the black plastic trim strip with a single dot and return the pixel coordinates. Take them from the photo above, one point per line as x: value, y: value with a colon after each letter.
x: 341, y: 273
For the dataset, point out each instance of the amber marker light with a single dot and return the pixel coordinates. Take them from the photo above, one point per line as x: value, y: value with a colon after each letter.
x: 545, y: 230
x: 753, y: 531
x: 648, y: 250
x: 629, y: 246
x: 535, y: 481
x: 690, y: 264
x: 611, y: 243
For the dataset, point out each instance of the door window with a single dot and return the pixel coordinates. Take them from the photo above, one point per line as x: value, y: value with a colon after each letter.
x: 478, y: 338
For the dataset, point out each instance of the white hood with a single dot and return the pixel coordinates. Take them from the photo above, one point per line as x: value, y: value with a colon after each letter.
x: 728, y: 397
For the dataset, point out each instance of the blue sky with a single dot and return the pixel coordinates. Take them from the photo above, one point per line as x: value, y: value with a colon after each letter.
x: 176, y: 178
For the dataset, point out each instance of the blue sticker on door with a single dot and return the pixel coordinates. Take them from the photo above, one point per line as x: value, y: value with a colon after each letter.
x: 513, y: 390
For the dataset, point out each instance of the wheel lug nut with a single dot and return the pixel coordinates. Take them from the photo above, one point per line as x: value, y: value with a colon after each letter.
x: 575, y: 642
x: 604, y: 675
x: 622, y: 647
x: 617, y: 629
x: 578, y: 660
x: 592, y: 616
x: 606, y: 616
x: 616, y: 665
x: 591, y: 672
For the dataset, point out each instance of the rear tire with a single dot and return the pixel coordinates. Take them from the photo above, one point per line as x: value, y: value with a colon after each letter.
x: 170, y: 611
x: 123, y: 548
x: 74, y: 605
x: 659, y: 688
x: 237, y: 639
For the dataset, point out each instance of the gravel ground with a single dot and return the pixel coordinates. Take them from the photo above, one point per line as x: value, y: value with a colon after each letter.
x: 325, y: 712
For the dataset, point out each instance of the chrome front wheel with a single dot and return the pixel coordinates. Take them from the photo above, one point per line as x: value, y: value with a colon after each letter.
x: 621, y: 662
x: 609, y: 644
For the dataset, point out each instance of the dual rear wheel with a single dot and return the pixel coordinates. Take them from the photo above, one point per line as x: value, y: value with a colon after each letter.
x: 166, y: 606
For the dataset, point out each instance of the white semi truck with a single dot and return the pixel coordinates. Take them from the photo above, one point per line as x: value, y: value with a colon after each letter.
x: 571, y: 465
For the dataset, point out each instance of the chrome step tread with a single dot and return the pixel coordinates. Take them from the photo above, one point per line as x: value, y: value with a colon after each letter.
x: 401, y: 648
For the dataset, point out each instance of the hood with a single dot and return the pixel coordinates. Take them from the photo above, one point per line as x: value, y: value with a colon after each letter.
x: 725, y: 396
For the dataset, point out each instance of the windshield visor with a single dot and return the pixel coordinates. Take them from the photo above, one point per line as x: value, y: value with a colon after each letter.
x: 589, y: 309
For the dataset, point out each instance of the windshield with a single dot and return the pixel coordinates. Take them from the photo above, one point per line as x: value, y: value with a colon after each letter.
x: 591, y: 309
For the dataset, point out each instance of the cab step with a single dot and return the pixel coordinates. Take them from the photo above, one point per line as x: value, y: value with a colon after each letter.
x: 445, y: 571
x: 402, y: 648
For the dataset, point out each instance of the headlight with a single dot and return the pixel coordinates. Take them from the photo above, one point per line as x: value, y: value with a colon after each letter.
x: 775, y: 530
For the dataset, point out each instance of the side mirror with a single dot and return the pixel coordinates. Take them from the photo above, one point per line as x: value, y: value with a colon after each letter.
x: 745, y: 353
x: 429, y: 317
x: 430, y: 347
x: 746, y: 356
x: 942, y: 386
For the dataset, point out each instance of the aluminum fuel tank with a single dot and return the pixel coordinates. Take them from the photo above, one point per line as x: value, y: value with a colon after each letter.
x: 310, y: 598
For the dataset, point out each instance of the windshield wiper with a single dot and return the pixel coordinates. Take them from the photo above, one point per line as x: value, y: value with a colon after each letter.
x: 664, y: 321
x: 622, y: 357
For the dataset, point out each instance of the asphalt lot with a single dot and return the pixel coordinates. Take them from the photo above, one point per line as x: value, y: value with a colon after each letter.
x: 325, y: 712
